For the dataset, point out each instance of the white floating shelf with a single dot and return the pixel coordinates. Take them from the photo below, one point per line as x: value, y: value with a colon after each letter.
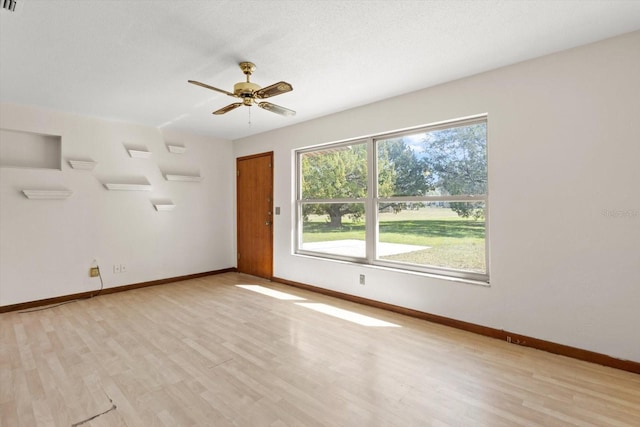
x: 140, y: 154
x: 82, y: 164
x: 164, y: 206
x: 191, y: 178
x: 129, y: 187
x: 47, y: 194
x: 176, y: 149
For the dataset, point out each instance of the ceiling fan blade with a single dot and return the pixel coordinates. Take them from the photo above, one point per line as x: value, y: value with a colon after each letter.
x: 276, y: 109
x: 273, y: 90
x: 210, y: 87
x: 228, y: 108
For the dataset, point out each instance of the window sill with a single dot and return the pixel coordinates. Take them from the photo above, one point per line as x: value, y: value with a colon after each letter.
x: 486, y: 284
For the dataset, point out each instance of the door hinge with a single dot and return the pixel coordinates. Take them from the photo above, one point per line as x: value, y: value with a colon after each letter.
x: 269, y: 164
x: 238, y: 173
x: 238, y: 255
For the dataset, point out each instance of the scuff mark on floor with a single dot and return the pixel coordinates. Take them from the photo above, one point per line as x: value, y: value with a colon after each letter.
x: 113, y: 407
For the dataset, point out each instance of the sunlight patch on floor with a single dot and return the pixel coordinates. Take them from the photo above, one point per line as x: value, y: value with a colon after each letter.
x: 271, y: 292
x: 347, y: 315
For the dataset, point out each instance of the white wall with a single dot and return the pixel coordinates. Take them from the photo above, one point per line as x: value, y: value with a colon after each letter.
x: 564, y: 151
x: 47, y: 246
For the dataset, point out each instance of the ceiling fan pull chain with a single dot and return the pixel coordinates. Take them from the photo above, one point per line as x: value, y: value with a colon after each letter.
x: 249, y: 116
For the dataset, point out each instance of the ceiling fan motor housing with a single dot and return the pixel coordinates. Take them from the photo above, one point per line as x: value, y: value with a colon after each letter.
x: 245, y: 89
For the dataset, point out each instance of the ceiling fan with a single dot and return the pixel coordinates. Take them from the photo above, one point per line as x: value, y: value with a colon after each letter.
x: 251, y: 93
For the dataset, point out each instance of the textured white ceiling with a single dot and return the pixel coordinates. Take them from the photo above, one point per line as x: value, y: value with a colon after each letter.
x: 130, y: 60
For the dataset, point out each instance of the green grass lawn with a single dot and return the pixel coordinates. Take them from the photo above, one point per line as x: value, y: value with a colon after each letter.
x: 453, y: 242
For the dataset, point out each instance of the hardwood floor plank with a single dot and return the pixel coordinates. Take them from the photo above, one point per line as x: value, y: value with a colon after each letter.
x: 205, y: 352
x: 9, y: 413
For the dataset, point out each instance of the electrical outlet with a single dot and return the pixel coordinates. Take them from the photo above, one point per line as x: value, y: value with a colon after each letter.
x: 123, y: 268
x: 362, y: 279
x: 116, y: 268
x: 94, y: 272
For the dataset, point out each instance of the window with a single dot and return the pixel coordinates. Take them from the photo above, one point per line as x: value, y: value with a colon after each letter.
x: 413, y: 200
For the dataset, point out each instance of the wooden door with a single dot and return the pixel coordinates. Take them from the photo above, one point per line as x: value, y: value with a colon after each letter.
x: 255, y: 214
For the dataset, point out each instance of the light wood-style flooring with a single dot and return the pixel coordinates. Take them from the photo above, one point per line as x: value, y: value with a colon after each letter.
x: 205, y: 352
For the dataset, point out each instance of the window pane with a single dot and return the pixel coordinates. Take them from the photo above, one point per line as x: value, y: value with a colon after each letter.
x: 335, y: 173
x: 438, y: 234
x: 401, y: 167
x: 449, y: 161
x: 334, y: 228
